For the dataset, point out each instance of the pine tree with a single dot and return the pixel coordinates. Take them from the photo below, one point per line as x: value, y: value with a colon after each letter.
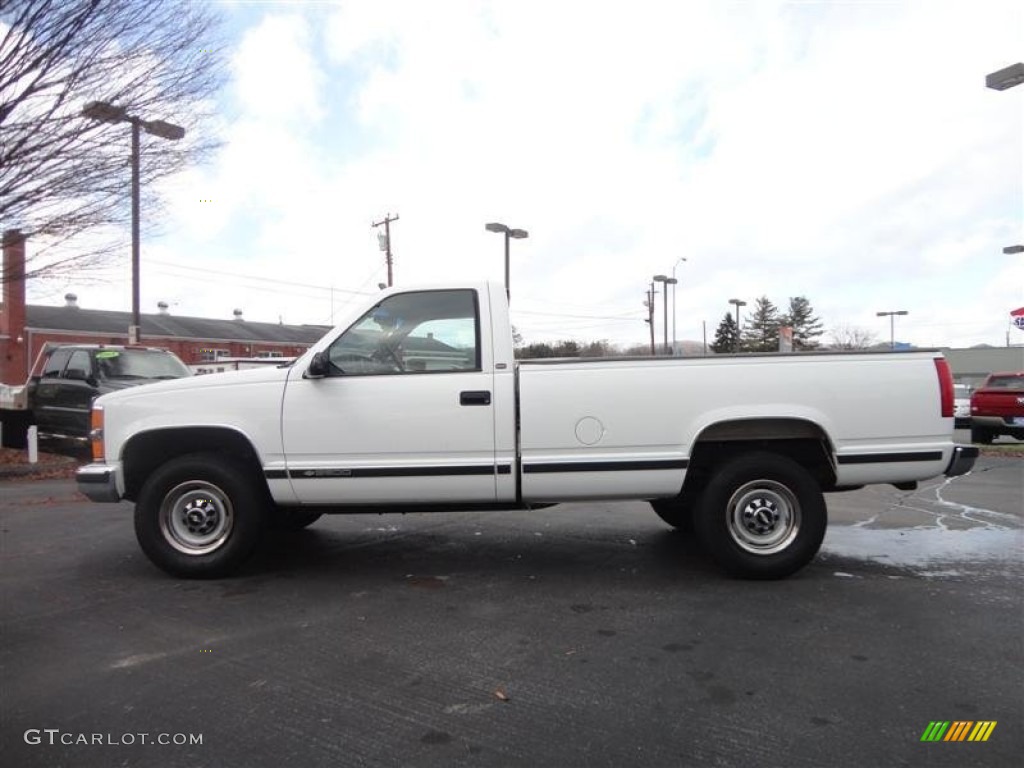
x: 762, y: 331
x: 726, y: 335
x: 806, y: 327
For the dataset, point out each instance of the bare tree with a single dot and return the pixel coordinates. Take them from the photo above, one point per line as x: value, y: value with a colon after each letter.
x: 851, y: 337
x: 62, y: 175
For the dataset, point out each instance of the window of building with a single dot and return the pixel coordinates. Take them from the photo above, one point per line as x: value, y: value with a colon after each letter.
x: 211, y: 354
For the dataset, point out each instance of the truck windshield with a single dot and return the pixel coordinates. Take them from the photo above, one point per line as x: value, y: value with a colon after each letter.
x: 139, y: 364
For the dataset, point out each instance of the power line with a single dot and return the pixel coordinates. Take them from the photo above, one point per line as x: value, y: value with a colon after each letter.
x: 622, y: 317
x: 253, y: 277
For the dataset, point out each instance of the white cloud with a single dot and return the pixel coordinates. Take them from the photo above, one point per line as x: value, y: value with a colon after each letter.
x: 845, y: 152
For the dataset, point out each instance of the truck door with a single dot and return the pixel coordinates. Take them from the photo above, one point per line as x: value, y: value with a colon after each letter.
x: 401, y: 410
x: 45, y: 393
x: 67, y: 399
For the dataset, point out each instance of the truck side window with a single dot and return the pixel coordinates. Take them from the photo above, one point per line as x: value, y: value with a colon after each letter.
x: 79, y: 366
x: 55, y: 363
x: 422, y: 332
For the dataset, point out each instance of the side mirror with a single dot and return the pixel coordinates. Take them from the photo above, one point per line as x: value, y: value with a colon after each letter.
x: 319, y: 367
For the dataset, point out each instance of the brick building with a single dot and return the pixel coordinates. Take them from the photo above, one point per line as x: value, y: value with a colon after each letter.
x: 24, y: 329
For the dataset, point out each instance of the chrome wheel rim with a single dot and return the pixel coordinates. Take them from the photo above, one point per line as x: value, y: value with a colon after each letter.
x: 763, y: 517
x: 196, y: 517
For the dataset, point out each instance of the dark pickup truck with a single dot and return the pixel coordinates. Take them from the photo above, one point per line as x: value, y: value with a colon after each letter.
x: 997, y: 407
x: 67, y: 379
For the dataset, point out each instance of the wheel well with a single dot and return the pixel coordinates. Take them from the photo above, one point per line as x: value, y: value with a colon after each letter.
x: 144, y: 452
x: 802, y: 441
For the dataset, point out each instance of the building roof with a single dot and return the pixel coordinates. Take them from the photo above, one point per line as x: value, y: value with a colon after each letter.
x: 109, y: 322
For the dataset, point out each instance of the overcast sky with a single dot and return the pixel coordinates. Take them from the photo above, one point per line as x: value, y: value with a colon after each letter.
x: 844, y: 151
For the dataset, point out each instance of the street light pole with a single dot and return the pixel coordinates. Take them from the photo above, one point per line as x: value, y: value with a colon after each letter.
x: 105, y: 112
x: 665, y: 281
x: 134, y: 331
x: 892, y: 324
x: 678, y: 262
x: 737, y: 303
x: 518, y: 234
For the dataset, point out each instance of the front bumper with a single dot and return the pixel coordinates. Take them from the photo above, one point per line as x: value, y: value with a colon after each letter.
x: 98, y: 482
x: 962, y: 461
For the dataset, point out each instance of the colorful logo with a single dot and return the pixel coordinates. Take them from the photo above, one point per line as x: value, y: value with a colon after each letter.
x: 958, y: 730
x: 1018, y: 317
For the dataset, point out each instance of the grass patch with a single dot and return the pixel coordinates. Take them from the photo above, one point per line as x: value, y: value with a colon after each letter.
x: 1002, y: 449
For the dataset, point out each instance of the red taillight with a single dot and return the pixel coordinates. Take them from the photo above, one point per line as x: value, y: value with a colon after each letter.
x: 945, y: 386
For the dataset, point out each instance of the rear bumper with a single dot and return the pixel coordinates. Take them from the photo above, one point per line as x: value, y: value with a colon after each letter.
x: 962, y: 461
x: 996, y: 422
x: 98, y: 482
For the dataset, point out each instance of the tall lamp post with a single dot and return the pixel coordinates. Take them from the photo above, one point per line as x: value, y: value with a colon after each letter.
x: 679, y: 261
x: 105, y: 112
x: 666, y: 281
x: 892, y: 324
x: 509, y: 233
x: 737, y: 303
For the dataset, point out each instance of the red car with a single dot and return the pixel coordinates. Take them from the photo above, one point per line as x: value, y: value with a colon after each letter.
x: 997, y: 407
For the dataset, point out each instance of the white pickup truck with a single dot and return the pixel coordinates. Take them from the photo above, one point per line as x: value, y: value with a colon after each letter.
x: 417, y: 404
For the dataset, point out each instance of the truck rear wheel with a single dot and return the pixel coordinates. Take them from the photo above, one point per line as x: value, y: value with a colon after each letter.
x: 200, y: 516
x: 762, y: 516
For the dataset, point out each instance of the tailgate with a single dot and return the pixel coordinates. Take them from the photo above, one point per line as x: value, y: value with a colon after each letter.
x: 998, y: 403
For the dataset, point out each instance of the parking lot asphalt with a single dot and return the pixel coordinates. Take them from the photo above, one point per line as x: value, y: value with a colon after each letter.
x: 581, y: 635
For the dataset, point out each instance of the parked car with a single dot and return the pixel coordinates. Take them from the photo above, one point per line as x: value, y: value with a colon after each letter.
x: 68, y: 378
x: 997, y: 407
x: 961, y: 405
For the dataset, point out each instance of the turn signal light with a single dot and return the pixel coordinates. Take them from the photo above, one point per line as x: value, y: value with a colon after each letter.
x: 96, y: 433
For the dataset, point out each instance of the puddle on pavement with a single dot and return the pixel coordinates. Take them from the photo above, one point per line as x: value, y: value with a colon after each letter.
x: 927, y: 546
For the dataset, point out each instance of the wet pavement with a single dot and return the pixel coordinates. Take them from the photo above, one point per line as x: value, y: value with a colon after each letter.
x: 972, y: 524
x: 581, y: 635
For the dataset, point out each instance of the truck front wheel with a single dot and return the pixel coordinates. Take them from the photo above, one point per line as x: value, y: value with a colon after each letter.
x: 762, y: 516
x: 200, y: 516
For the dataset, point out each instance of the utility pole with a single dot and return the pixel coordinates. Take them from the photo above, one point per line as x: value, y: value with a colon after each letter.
x: 386, y: 244
x: 650, y: 314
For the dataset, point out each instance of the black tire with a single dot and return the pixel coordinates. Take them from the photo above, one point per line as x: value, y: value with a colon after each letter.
x: 201, y: 515
x: 762, y: 516
x: 981, y: 435
x: 292, y: 520
x: 678, y: 511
